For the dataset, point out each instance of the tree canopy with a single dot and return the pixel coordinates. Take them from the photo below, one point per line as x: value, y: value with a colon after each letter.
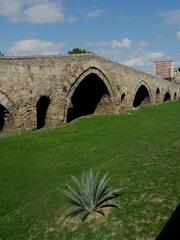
x: 77, y: 51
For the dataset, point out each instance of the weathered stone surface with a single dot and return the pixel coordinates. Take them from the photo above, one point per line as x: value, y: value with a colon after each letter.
x: 24, y: 80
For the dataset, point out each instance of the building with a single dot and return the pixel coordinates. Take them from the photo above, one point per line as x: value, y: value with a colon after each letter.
x: 177, y: 75
x: 164, y: 69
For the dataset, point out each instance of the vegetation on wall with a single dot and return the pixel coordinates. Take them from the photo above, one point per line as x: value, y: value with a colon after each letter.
x: 77, y: 51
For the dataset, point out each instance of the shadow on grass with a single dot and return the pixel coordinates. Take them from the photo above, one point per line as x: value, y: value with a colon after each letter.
x: 171, y: 230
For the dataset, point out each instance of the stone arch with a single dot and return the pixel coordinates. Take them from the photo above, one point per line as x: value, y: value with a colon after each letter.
x: 123, y: 105
x: 41, y: 111
x: 142, y: 95
x: 90, y: 93
x: 175, y: 96
x: 6, y: 109
x: 123, y: 97
x: 3, y: 114
x: 158, y: 95
x: 167, y: 97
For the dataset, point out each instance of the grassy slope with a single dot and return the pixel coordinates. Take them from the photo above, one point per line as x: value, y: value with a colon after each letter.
x: 140, y: 150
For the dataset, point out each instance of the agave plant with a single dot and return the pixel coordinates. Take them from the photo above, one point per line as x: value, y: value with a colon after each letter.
x: 90, y: 194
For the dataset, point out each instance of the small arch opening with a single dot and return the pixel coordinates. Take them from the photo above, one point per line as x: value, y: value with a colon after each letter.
x: 122, y: 97
x: 167, y: 97
x: 157, y: 95
x: 142, y: 97
x: 157, y: 92
x: 3, y: 115
x: 90, y: 96
x: 175, y: 96
x: 41, y: 109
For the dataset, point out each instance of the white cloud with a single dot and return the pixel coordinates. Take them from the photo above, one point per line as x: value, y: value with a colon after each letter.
x: 35, y: 47
x: 134, y: 62
x: 124, y: 43
x: 145, y: 60
x: 98, y: 45
x: 178, y: 34
x: 44, y: 13
x: 140, y: 49
x: 34, y: 11
x: 154, y: 55
x: 138, y: 56
x: 141, y: 57
x: 10, y: 8
x: 143, y: 45
x: 72, y: 18
x: 94, y: 14
x: 172, y: 17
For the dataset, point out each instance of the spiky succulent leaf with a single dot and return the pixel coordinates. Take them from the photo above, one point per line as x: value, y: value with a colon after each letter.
x: 101, y: 188
x: 73, y: 212
x: 73, y: 196
x: 84, y: 216
x: 109, y: 196
x: 100, y: 212
x: 109, y: 205
x: 90, y: 194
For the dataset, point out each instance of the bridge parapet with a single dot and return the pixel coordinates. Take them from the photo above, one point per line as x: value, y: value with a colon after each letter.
x: 69, y: 82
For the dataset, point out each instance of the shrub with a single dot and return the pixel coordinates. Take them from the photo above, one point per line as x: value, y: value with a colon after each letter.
x: 77, y: 51
x: 90, y: 194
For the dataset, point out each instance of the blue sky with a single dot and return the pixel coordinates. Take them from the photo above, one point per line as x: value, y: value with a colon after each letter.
x: 131, y: 32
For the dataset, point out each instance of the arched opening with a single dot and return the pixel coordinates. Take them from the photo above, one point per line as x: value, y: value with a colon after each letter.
x: 123, y: 102
x: 157, y: 95
x: 90, y: 96
x: 122, y: 97
x: 41, y: 109
x: 142, y: 97
x: 3, y: 115
x: 167, y: 97
x: 157, y: 92
x: 175, y: 96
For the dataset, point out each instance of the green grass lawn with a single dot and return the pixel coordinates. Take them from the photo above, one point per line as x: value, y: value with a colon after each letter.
x: 141, y: 152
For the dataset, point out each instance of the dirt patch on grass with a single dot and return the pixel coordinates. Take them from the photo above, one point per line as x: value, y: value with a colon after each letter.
x: 76, y: 221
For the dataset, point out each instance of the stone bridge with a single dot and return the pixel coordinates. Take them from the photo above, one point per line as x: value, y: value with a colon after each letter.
x: 50, y: 90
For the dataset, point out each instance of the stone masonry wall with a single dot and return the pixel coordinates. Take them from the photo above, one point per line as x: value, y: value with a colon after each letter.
x: 24, y: 80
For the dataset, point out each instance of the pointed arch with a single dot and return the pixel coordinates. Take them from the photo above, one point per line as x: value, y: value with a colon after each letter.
x: 91, y: 92
x: 158, y: 95
x: 167, y: 97
x: 175, y: 96
x: 123, y: 97
x: 3, y: 113
x: 142, y: 95
x: 6, y: 109
x: 41, y: 111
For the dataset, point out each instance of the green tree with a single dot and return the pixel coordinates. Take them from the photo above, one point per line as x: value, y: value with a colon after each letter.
x: 77, y: 51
